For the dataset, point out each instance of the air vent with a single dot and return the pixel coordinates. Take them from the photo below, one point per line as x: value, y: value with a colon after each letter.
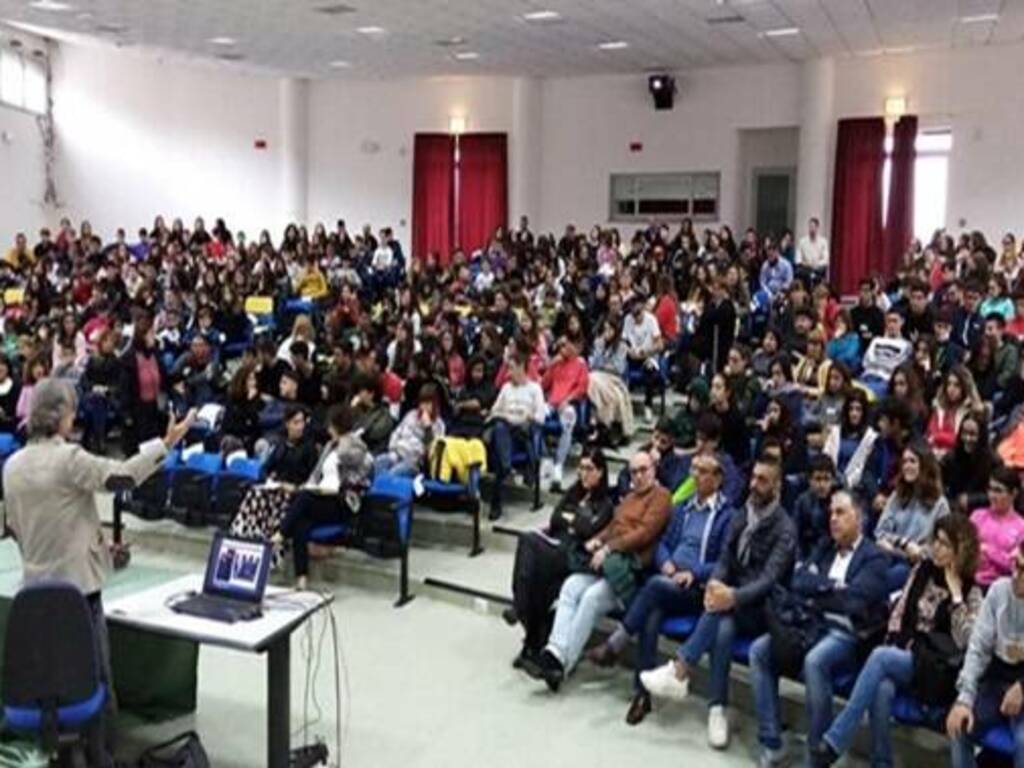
x: 335, y: 9
x: 733, y: 18
x: 230, y: 56
x: 111, y: 29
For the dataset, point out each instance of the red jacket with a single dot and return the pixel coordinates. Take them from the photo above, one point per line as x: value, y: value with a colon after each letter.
x: 667, y: 314
x: 566, y: 380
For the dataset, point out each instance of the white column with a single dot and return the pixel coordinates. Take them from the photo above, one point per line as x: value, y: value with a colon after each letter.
x: 817, y: 143
x: 525, y: 152
x: 293, y: 119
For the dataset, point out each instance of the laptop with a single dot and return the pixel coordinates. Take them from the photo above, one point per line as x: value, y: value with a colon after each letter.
x: 236, y: 578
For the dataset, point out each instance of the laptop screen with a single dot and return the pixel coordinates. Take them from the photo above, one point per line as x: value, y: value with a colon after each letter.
x: 238, y: 568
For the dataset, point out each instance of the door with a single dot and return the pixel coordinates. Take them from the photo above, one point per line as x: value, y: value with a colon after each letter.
x: 774, y: 199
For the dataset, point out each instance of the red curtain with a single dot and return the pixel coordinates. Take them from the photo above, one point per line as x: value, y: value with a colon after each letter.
x: 899, y: 219
x: 483, y: 188
x: 433, y: 195
x: 857, y: 202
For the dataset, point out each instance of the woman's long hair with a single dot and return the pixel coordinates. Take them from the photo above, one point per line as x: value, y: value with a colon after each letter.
x: 928, y: 487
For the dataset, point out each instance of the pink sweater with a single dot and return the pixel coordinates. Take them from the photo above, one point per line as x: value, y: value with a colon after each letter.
x: 1000, y: 535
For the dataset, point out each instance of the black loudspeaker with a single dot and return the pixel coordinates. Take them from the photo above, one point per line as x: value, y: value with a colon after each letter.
x: 663, y: 89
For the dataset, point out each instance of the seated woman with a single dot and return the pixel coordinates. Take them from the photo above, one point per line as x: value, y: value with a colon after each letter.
x: 811, y: 373
x: 826, y: 412
x: 845, y: 344
x: 290, y: 462
x: 372, y: 416
x: 685, y: 558
x: 613, y: 560
x: 332, y: 491
x: 242, y: 414
x: 940, y: 597
x: 472, y: 403
x: 966, y: 468
x: 1000, y: 528
x: 407, y: 448
x: 545, y: 558
x: 778, y: 424
x: 607, y: 388
x: 956, y: 399
x: 9, y: 391
x: 906, y: 523
x: 849, y: 443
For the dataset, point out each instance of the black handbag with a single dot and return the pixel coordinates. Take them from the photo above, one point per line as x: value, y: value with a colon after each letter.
x: 937, y: 661
x: 184, y: 751
x: 796, y: 624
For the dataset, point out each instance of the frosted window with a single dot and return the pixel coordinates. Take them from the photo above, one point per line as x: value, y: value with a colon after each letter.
x: 664, y: 195
x: 35, y: 87
x: 12, y: 79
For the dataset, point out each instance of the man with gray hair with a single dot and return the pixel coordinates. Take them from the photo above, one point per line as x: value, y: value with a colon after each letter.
x: 50, y: 489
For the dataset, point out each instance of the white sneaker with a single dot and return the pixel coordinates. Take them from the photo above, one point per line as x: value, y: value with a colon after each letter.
x: 718, y: 727
x: 556, y: 477
x: 546, y: 468
x: 662, y: 682
x: 648, y: 414
x: 773, y: 758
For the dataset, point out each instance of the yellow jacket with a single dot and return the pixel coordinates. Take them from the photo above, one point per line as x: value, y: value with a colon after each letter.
x: 453, y: 456
x: 312, y: 285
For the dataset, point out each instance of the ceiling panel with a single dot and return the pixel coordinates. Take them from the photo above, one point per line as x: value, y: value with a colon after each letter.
x: 293, y: 37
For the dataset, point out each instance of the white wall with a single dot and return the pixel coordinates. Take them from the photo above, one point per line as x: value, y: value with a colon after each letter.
x: 23, y: 176
x: 361, y: 141
x: 975, y: 91
x: 137, y: 137
x: 590, y: 122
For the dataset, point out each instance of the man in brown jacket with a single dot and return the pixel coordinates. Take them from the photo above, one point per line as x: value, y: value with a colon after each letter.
x: 626, y: 544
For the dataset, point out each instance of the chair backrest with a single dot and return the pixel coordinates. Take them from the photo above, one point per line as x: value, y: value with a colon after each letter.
x: 393, y: 487
x: 8, y: 444
x: 50, y: 654
x: 259, y: 305
x: 210, y: 463
x: 248, y: 468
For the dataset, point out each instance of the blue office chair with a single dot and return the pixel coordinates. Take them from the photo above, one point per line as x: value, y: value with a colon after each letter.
x: 51, y: 677
x: 231, y: 484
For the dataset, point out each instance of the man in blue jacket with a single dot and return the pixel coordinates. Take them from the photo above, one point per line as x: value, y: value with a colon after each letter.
x: 685, y: 558
x: 847, y: 581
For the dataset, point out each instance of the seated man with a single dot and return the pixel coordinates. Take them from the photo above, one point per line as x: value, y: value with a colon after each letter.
x: 886, y: 353
x: 671, y: 467
x: 811, y: 512
x: 847, y: 581
x: 618, y: 554
x: 991, y: 683
x: 685, y: 557
x: 758, y: 554
x: 643, y: 340
x: 519, y: 408
x: 565, y: 384
x: 709, y: 442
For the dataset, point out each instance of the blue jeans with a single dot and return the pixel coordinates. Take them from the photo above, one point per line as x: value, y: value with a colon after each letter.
x: 95, y: 413
x: 394, y: 465
x: 887, y: 669
x: 986, y: 715
x: 835, y: 653
x: 714, y: 634
x: 658, y: 598
x: 585, y: 599
x: 566, y: 413
x: 502, y: 437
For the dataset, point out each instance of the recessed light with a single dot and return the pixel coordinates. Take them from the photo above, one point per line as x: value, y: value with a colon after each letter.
x: 542, y: 16
x: 50, y: 5
x: 980, y: 18
x: 222, y: 40
x: 340, y: 64
x: 467, y: 55
x: 783, y: 32
x: 371, y: 30
x: 613, y: 45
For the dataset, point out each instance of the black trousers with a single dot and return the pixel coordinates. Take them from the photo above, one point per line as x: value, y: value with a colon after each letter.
x: 537, y: 575
x: 100, y: 736
x: 308, y: 510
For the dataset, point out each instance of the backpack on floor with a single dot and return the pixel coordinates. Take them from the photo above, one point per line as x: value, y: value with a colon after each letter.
x: 184, y: 751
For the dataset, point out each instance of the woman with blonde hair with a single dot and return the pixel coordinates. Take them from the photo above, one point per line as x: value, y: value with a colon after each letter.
x: 302, y: 330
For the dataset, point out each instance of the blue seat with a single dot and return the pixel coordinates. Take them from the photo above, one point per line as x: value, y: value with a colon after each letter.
x: 998, y: 739
x: 635, y: 376
x: 521, y: 459
x: 230, y: 487
x: 9, y: 443
x: 193, y: 488
x: 51, y: 676
x: 457, y: 497
x: 386, y: 509
x: 679, y: 627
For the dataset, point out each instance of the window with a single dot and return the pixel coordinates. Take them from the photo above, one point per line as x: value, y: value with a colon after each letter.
x: 22, y: 81
x: 931, y: 180
x: 637, y: 196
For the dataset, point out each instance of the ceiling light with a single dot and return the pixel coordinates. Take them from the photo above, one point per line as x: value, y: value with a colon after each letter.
x: 371, y: 30
x: 467, y: 55
x: 980, y: 18
x: 50, y: 5
x: 783, y: 32
x: 613, y: 45
x: 222, y: 40
x: 542, y: 16
x: 340, y: 64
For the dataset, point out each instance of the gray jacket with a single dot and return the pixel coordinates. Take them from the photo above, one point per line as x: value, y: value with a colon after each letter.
x: 50, y: 491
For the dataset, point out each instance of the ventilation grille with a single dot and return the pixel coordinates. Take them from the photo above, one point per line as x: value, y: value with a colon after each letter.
x: 733, y: 18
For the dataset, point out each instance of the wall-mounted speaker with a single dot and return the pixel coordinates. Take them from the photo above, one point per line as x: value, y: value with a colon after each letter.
x: 663, y: 90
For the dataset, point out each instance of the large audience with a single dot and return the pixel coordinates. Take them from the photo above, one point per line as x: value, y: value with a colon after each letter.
x: 837, y: 483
